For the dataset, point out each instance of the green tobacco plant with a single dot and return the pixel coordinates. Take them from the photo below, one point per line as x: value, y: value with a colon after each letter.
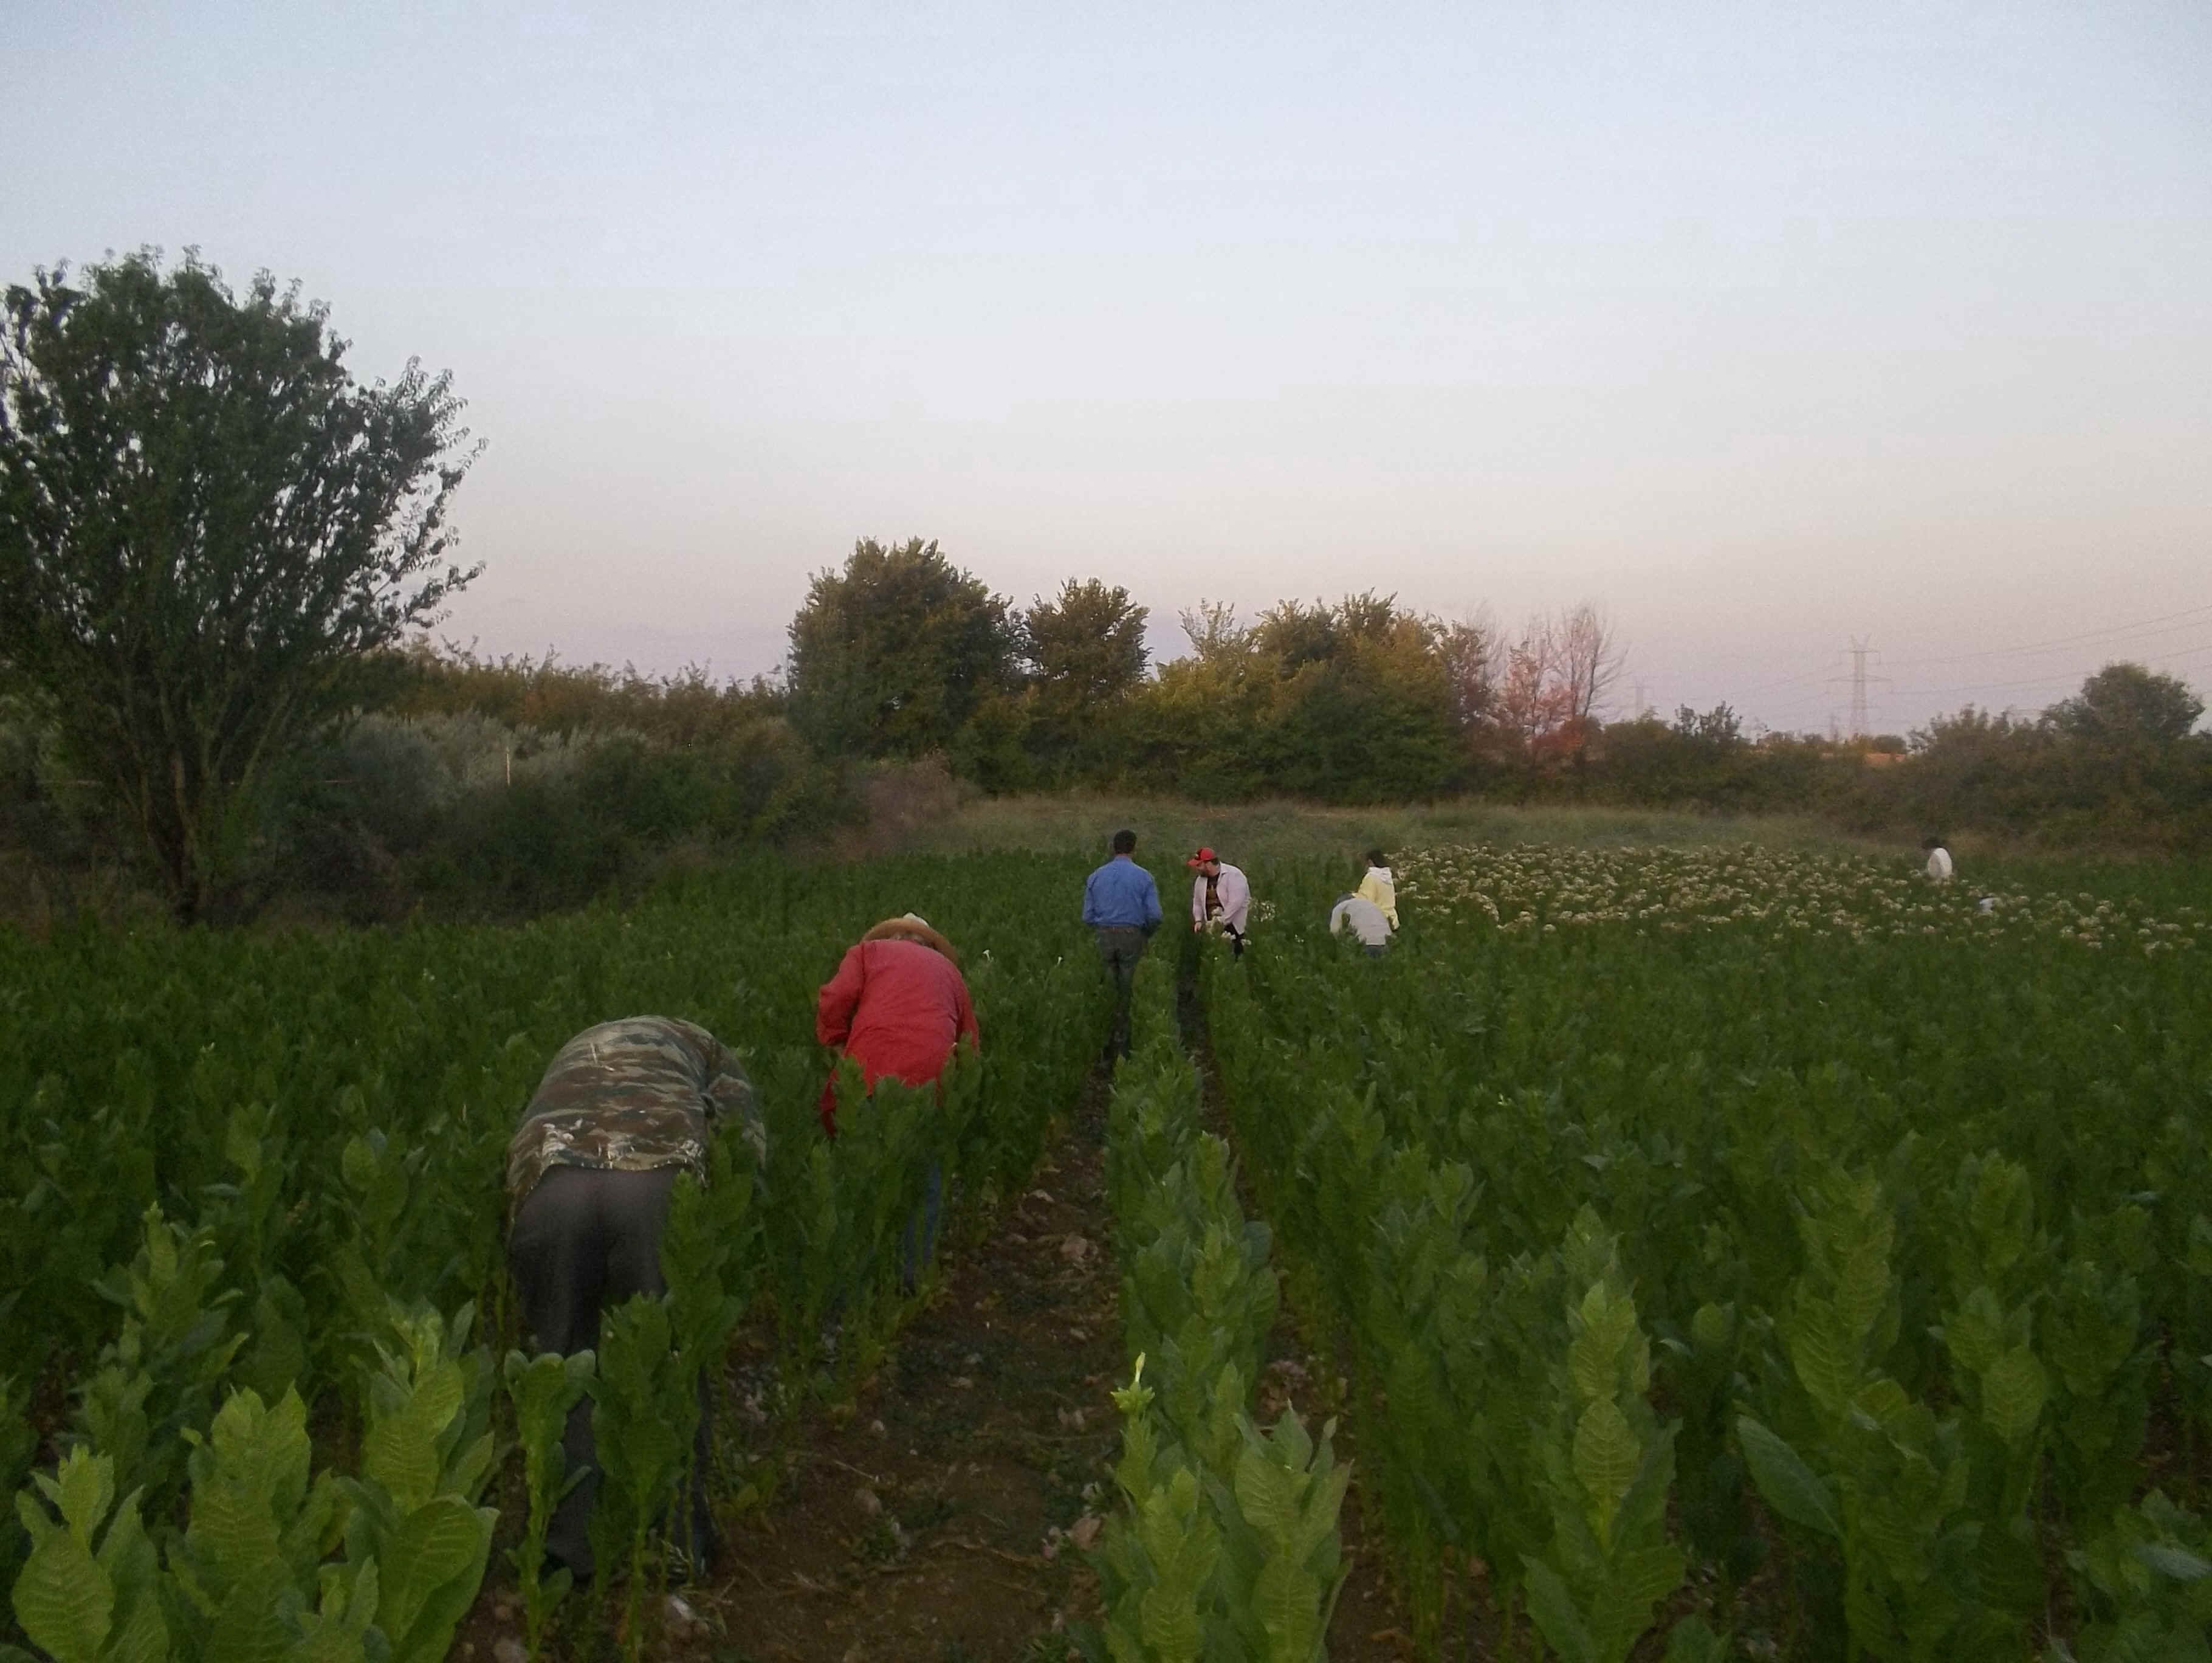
x: 90, y: 1590
x: 250, y: 1574
x: 644, y: 1412
x: 426, y: 1452
x: 247, y: 1566
x: 1702, y: 1370
x: 544, y: 1389
x: 1157, y: 1561
x: 1199, y: 1297
x: 1892, y: 1480
x: 2000, y: 1267
x: 2091, y: 1333
x: 1227, y: 1546
x: 1425, y: 1303
x: 709, y: 1260
x: 157, y: 1380
x: 1608, y: 1466
x: 1282, y: 1564
x: 2144, y: 1588
x: 18, y: 1444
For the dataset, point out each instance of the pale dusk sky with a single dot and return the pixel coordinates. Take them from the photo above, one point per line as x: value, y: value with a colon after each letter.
x: 1764, y: 327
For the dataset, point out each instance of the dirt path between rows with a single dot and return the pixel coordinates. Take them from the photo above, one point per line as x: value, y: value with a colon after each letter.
x: 934, y: 1524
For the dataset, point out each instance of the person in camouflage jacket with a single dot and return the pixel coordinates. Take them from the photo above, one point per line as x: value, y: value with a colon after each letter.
x: 624, y: 1108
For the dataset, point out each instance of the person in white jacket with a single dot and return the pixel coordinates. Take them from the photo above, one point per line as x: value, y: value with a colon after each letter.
x: 1220, y: 899
x: 1365, y: 920
x: 1939, y: 861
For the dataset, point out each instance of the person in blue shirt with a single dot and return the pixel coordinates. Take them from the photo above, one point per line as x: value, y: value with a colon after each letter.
x: 1122, y: 904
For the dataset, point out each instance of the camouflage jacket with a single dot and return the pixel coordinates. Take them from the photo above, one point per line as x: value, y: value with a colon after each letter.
x: 631, y: 1096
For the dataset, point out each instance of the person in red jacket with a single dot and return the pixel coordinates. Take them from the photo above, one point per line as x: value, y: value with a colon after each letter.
x: 897, y: 1006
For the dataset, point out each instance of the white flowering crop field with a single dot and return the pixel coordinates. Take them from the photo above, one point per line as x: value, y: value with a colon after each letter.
x: 1536, y: 887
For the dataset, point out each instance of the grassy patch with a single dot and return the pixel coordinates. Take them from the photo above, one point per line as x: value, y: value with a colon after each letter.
x: 1282, y: 830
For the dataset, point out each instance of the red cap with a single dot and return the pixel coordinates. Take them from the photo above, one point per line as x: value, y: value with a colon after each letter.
x: 1202, y: 857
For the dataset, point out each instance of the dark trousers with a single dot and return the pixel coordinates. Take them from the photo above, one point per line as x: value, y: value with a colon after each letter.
x: 585, y: 1241
x: 1120, y: 949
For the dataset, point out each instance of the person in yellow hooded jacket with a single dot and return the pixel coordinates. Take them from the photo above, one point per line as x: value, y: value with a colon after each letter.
x: 1378, y: 886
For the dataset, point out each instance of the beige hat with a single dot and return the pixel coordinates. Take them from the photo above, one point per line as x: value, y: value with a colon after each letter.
x: 911, y: 927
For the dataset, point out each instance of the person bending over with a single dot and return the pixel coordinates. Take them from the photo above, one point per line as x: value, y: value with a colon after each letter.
x: 624, y: 1108
x: 1366, y: 920
x: 1220, y: 899
x: 898, y: 1006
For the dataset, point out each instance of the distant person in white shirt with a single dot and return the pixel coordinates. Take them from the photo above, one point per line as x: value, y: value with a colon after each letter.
x: 1939, y: 861
x: 1220, y: 899
x: 1366, y: 921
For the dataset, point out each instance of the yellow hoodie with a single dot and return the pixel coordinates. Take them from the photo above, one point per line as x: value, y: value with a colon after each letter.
x: 1381, y: 888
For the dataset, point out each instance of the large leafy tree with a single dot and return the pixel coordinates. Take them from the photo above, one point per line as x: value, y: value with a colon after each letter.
x: 891, y: 656
x: 1086, y: 645
x: 205, y: 524
x: 2126, y: 705
x: 1086, y: 652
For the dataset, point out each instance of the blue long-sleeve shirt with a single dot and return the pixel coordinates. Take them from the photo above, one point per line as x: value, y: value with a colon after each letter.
x: 1121, y: 895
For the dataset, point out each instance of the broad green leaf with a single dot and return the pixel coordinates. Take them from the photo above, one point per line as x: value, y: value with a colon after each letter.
x: 65, y: 1600
x: 401, y: 1450
x: 432, y: 1546
x: 1286, y: 1596
x: 1553, y: 1609
x: 1266, y: 1496
x: 1605, y: 1454
x: 84, y: 1492
x: 2179, y: 1563
x: 429, y: 1637
x: 1974, y: 1334
x: 2013, y: 1393
x: 246, y: 1629
x: 1789, y: 1487
x: 1825, y: 1355
x: 144, y: 1637
x: 232, y: 1530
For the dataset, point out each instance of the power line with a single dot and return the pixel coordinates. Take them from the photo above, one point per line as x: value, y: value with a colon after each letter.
x: 2150, y: 623
x: 2056, y: 678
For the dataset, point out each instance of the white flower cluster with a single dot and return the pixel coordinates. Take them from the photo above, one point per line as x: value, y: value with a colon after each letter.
x: 1542, y: 889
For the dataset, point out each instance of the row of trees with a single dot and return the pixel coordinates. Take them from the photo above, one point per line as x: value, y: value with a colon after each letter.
x: 901, y: 654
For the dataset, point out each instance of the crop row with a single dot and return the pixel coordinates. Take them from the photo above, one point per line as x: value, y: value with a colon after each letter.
x: 1225, y: 1547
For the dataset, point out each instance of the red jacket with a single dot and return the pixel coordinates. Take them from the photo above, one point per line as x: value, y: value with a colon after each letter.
x: 897, y: 1008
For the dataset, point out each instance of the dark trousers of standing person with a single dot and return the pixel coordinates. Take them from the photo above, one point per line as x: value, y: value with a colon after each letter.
x: 586, y: 1240
x: 1120, y: 949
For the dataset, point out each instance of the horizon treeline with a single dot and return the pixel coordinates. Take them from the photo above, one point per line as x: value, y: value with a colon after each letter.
x: 515, y: 784
x: 901, y: 655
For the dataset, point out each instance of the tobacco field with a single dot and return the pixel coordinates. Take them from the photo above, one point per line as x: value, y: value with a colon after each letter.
x: 1720, y: 1252
x: 1770, y: 1255
x: 261, y: 1350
